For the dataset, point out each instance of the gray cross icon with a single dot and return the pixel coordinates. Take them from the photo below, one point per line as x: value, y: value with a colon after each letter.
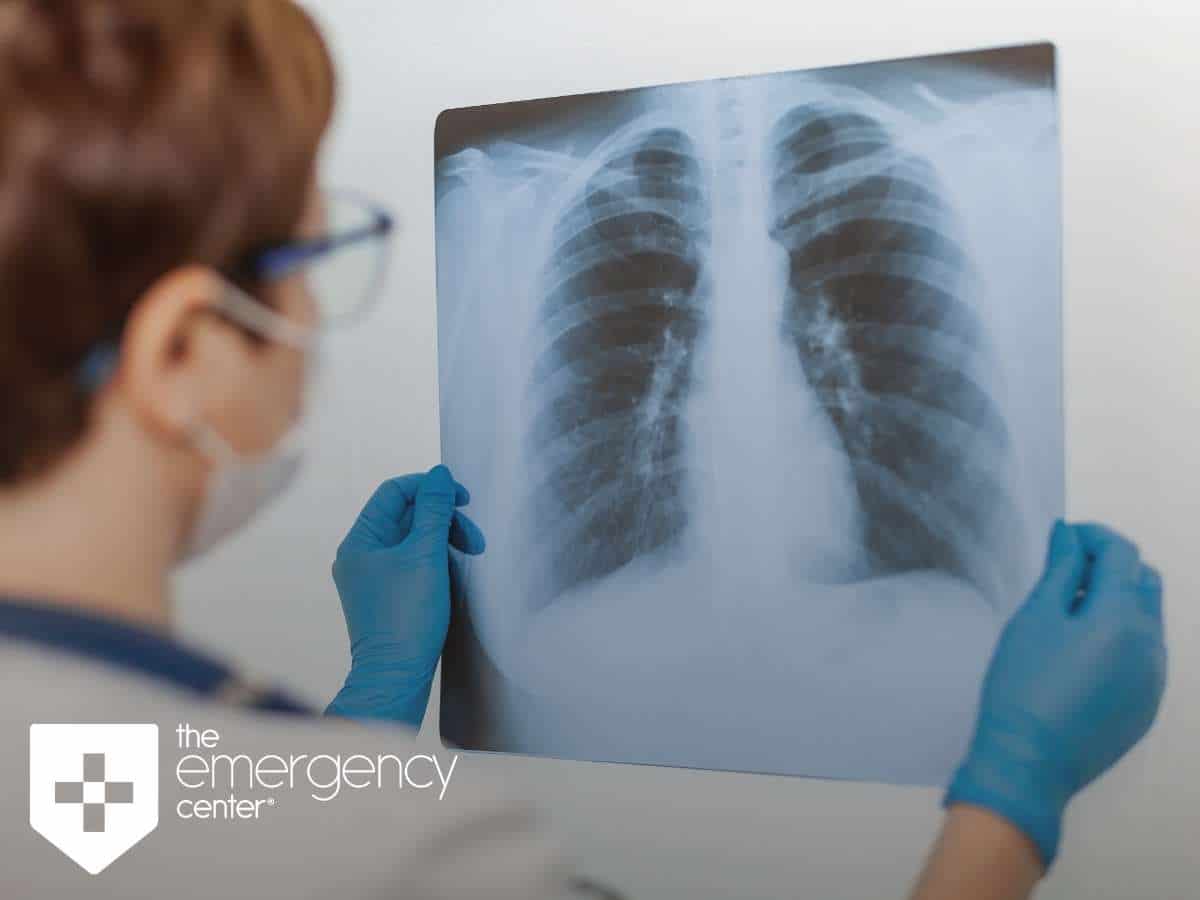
x: 94, y: 793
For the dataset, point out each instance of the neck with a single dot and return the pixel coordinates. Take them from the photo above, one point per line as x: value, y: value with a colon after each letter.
x: 96, y: 535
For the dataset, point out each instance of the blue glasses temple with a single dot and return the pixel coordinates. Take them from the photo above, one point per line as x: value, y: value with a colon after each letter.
x: 273, y: 263
x: 281, y: 261
x: 98, y: 366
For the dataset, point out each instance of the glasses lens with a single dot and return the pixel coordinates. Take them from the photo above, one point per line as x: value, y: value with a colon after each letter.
x: 349, y: 279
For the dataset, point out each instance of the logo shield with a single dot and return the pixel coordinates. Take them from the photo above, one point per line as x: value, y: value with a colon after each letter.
x: 93, y: 789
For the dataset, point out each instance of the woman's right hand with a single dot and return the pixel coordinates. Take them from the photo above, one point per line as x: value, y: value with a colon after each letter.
x: 393, y: 575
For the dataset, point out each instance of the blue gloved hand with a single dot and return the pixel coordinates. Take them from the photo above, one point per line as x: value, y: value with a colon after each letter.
x: 393, y: 575
x: 1075, y: 682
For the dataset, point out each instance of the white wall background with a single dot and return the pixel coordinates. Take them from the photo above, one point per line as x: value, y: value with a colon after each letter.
x: 1130, y: 96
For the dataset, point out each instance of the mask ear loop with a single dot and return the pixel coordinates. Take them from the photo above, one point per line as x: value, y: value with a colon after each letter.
x: 205, y: 439
x: 252, y: 314
x: 244, y: 310
x: 220, y: 454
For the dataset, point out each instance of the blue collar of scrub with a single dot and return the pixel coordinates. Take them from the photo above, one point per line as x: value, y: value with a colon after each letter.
x: 137, y: 650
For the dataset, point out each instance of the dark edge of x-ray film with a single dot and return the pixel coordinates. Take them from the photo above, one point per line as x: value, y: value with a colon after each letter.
x: 624, y: 307
x: 463, y: 127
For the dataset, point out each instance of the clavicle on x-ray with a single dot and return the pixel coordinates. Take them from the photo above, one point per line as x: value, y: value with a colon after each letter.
x: 756, y: 384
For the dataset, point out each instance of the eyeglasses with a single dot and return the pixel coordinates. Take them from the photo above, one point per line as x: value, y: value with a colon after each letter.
x: 345, y: 268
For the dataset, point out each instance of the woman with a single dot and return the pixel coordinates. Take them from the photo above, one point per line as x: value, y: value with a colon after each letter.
x: 163, y: 253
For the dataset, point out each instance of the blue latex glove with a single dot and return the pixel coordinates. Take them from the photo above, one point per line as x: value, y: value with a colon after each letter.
x: 393, y: 575
x: 1075, y: 682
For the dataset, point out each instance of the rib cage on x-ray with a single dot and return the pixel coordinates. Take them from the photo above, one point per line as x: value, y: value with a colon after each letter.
x: 756, y: 384
x: 878, y: 312
x: 623, y: 310
x: 877, y: 308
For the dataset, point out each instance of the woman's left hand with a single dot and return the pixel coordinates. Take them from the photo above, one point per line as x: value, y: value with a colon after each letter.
x: 393, y: 575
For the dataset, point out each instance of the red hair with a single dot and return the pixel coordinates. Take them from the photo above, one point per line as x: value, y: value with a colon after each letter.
x: 136, y: 136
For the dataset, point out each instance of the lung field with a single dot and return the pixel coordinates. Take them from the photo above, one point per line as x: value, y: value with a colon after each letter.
x: 622, y: 315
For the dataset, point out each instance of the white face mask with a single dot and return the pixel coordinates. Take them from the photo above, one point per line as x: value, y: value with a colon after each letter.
x: 241, y: 487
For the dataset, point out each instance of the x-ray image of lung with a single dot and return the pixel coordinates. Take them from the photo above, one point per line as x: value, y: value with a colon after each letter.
x: 756, y: 384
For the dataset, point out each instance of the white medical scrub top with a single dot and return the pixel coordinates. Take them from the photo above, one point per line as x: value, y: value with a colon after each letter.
x: 387, y: 840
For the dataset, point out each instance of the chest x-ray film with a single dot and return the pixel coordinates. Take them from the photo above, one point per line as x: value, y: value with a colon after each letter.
x: 756, y: 384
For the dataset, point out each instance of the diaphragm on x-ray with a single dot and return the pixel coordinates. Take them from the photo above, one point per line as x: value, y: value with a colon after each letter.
x: 756, y: 384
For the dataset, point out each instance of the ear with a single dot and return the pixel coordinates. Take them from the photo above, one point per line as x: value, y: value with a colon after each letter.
x: 177, y: 357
